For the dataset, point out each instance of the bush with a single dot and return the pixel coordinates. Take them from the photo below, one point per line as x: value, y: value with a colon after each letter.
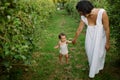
x: 115, y: 23
x: 70, y: 7
x: 18, y: 22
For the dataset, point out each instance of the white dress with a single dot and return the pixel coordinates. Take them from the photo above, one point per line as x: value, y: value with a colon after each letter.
x: 95, y: 44
x: 64, y: 49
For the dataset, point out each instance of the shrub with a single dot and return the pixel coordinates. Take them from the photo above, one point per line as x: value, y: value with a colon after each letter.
x: 18, y: 22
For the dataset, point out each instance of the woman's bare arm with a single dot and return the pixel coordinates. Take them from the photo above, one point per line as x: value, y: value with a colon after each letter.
x: 79, y: 30
x: 105, y: 21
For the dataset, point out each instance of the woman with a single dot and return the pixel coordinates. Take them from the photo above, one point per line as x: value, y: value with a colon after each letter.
x: 97, y: 34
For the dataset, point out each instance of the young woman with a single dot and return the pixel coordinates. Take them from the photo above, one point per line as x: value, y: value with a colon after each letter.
x: 97, y: 34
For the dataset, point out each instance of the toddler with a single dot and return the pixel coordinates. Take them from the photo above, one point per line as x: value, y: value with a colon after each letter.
x: 63, y: 45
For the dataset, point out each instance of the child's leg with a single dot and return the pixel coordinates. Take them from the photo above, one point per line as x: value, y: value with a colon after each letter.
x: 60, y: 58
x: 66, y: 56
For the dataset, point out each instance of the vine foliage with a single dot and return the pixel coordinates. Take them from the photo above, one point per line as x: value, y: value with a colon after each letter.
x: 18, y: 21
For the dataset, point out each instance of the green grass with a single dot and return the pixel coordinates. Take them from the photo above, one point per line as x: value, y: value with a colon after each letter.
x: 46, y: 64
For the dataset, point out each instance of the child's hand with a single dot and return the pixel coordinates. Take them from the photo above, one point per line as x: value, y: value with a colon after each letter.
x: 56, y: 47
x: 68, y: 41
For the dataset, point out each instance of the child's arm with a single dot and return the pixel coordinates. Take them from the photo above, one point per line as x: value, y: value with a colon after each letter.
x: 57, y: 46
x: 68, y: 41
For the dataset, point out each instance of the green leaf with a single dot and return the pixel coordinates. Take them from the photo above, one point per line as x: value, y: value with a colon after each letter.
x: 23, y: 57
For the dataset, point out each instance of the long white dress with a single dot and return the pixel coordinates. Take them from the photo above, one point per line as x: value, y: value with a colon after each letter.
x: 95, y: 44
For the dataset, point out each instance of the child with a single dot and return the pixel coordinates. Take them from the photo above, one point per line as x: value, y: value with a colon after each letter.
x: 62, y: 44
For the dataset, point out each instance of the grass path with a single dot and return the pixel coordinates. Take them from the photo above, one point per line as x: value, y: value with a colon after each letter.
x: 46, y: 63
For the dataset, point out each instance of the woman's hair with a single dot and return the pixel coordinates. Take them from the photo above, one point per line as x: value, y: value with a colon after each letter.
x: 61, y: 34
x: 84, y: 6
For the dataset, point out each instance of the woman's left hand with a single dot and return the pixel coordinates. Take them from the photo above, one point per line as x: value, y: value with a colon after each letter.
x: 107, y: 46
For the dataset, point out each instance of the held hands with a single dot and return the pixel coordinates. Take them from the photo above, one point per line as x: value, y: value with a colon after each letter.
x: 74, y: 41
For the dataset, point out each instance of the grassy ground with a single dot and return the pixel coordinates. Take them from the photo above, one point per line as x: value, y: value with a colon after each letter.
x: 46, y: 64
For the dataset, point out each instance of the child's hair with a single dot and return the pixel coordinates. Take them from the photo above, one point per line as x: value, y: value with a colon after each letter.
x: 61, y: 34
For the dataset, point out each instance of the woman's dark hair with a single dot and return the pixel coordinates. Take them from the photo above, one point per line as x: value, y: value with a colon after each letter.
x: 84, y: 6
x: 61, y: 34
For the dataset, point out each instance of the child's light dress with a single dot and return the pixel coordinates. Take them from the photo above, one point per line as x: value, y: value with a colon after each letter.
x: 64, y: 49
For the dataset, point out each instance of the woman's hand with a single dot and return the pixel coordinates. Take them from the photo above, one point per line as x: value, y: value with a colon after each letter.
x: 107, y: 46
x: 74, y: 41
x: 79, y: 30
